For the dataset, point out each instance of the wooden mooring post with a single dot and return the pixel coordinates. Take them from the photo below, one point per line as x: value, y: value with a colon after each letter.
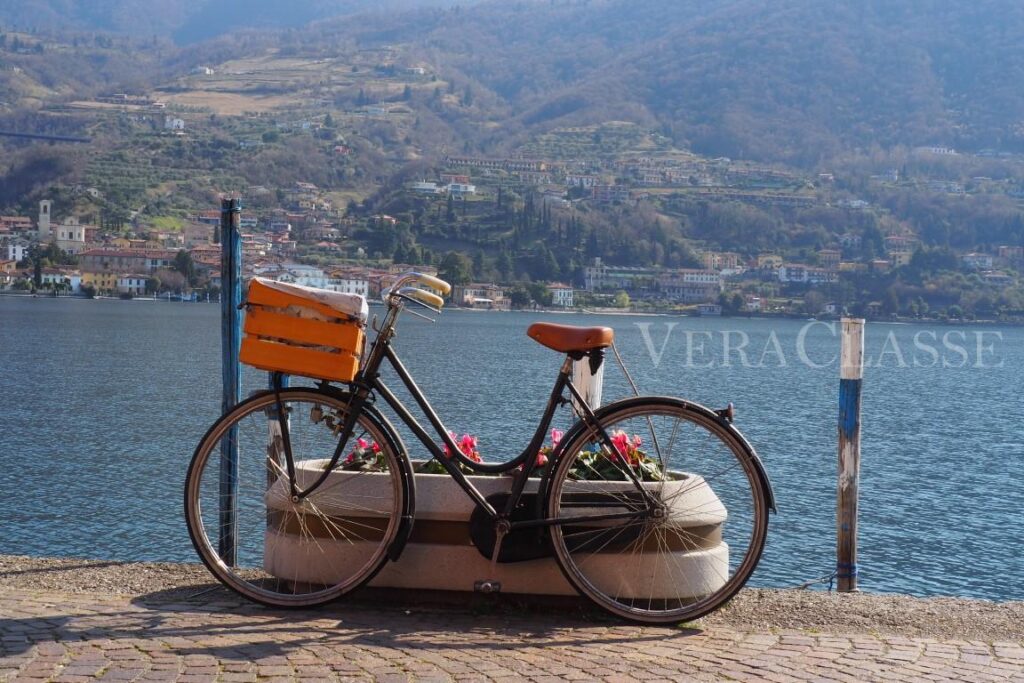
x: 851, y: 374
x: 231, y: 342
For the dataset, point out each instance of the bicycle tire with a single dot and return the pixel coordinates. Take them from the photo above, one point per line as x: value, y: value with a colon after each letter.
x: 295, y: 554
x: 671, y: 566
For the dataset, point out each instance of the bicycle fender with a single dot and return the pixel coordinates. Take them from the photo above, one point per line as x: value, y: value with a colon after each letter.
x: 579, y: 426
x: 408, y: 484
x: 759, y: 468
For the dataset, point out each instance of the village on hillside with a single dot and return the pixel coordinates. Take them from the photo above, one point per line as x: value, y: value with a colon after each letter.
x: 307, y: 241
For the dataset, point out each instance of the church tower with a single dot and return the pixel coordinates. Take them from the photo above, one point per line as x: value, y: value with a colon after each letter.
x: 44, y: 220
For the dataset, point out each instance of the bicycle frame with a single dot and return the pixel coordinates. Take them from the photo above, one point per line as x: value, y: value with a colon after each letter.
x: 369, y: 382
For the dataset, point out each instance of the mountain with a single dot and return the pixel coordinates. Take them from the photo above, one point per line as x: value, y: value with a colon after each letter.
x: 186, y: 21
x: 791, y: 80
x: 798, y: 82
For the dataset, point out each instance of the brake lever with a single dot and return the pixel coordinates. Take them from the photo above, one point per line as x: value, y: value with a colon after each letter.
x: 418, y: 303
x: 420, y: 315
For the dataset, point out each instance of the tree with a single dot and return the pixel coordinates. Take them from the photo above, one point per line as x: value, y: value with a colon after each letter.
x: 184, y: 264
x: 814, y: 301
x: 518, y: 297
x: 479, y: 265
x: 731, y: 303
x: 456, y: 268
x: 170, y: 280
x: 621, y: 300
x: 540, y: 293
x: 504, y: 265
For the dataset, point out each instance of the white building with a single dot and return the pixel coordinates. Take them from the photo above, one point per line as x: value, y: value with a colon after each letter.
x: 54, y: 276
x: 172, y: 123
x: 14, y: 249
x: 70, y: 236
x: 131, y: 284
x: 689, y: 285
x: 462, y: 189
x: 976, y: 261
x: 561, y: 295
x: 295, y: 273
x: 349, y: 283
x: 796, y: 272
x: 425, y: 187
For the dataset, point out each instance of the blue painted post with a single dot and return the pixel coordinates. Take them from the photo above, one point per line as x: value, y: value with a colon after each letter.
x: 851, y: 374
x: 231, y: 341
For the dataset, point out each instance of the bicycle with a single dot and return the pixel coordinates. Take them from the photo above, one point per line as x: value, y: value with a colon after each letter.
x: 323, y: 489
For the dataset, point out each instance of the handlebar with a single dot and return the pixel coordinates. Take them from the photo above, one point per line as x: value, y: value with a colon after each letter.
x: 421, y: 296
x: 434, y: 283
x: 402, y: 288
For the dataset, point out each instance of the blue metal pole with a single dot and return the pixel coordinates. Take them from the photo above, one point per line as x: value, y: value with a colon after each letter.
x: 851, y: 374
x: 231, y: 342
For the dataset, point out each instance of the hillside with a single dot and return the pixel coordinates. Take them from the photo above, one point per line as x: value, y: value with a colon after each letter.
x: 796, y: 80
x: 187, y: 21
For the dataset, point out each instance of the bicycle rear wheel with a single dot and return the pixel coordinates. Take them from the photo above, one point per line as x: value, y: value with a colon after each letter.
x: 286, y: 552
x: 689, y: 553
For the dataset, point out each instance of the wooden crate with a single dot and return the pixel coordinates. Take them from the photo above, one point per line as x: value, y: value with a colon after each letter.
x: 302, y: 331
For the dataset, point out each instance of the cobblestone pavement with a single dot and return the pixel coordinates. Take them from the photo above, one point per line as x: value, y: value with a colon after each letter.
x: 64, y: 637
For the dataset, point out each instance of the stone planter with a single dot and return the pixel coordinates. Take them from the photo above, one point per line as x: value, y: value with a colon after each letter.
x: 441, y: 556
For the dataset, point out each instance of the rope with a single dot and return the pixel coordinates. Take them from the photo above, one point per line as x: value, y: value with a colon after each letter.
x: 830, y: 580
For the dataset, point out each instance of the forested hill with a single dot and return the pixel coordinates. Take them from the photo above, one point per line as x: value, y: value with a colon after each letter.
x: 793, y: 81
x: 790, y: 80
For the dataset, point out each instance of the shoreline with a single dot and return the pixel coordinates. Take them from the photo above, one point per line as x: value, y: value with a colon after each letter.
x: 761, y: 609
x: 597, y: 311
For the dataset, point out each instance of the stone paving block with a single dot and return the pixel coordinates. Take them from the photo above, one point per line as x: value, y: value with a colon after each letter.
x: 83, y: 637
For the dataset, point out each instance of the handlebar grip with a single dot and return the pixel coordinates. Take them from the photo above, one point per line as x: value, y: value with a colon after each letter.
x: 423, y: 296
x: 434, y: 283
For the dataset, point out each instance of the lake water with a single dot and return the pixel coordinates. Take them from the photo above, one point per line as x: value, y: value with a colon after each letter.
x: 102, y: 402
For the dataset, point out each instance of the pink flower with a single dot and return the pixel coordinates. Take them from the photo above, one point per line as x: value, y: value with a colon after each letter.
x: 363, y: 444
x: 468, y: 447
x: 542, y: 460
x: 621, y: 442
x: 375, y: 447
x: 637, y: 441
x: 556, y: 436
x: 447, y: 451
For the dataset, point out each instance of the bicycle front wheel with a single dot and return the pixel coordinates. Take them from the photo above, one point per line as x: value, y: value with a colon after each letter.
x: 682, y: 546
x: 275, y: 549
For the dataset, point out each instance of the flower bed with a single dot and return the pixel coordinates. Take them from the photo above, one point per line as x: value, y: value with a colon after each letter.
x: 440, y: 554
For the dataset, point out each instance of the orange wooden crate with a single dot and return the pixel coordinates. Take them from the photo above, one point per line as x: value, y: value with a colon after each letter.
x: 294, y: 334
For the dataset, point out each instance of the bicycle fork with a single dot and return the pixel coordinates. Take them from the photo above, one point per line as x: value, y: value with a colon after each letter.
x: 345, y: 431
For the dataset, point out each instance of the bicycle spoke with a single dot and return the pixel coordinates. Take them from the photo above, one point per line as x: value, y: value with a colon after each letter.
x: 294, y: 552
x: 678, y: 558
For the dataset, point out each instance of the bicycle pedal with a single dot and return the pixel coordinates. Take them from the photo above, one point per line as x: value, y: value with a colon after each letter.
x: 487, y: 587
